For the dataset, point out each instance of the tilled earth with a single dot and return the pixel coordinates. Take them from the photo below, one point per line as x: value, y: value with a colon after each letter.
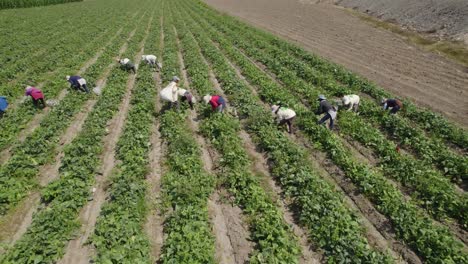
x: 381, y: 56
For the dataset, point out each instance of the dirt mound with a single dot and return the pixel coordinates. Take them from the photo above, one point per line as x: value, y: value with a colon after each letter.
x: 448, y: 18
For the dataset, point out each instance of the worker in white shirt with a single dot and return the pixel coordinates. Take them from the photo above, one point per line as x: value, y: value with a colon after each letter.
x: 171, y: 92
x: 284, y: 116
x: 152, y: 60
x: 351, y: 101
x: 127, y: 65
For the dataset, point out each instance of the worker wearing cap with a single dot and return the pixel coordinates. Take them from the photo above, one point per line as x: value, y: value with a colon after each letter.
x: 36, y: 95
x: 217, y: 102
x: 3, y: 105
x: 394, y: 104
x: 170, y: 92
x: 328, y: 109
x: 284, y: 116
x: 128, y: 65
x: 77, y: 83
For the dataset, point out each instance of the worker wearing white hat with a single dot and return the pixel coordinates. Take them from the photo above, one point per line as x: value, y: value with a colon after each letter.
x: 217, y: 102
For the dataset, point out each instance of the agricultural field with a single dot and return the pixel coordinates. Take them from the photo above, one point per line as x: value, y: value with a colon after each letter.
x: 121, y: 178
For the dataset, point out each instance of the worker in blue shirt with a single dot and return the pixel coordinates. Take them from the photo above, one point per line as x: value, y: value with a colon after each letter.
x: 3, y: 105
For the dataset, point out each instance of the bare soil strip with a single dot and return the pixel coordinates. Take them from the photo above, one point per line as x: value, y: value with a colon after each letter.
x: 78, y: 251
x: 154, y: 222
x: 381, y: 56
x: 10, y: 228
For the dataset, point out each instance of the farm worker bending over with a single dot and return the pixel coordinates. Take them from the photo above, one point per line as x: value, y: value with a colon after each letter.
x: 328, y: 109
x: 127, y: 65
x: 36, y: 95
x: 352, y: 101
x: 217, y: 102
x: 3, y: 105
x: 77, y: 83
x: 170, y: 92
x: 151, y: 60
x: 186, y: 96
x: 284, y: 116
x: 394, y: 104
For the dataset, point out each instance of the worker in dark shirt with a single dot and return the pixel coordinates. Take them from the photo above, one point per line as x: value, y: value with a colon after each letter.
x: 326, y: 108
x: 394, y: 104
x: 77, y: 83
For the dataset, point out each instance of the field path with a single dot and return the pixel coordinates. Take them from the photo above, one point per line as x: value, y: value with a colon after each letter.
x: 381, y: 56
x: 78, y: 251
x: 154, y: 221
x: 228, y: 225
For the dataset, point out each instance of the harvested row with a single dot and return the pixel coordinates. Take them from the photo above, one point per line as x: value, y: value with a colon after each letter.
x: 332, y: 226
x: 417, y: 230
x: 18, y: 174
x: 185, y: 186
x: 119, y: 235
x: 64, y: 197
x: 274, y: 239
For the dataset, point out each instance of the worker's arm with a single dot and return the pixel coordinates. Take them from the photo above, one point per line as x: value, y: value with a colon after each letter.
x: 174, y: 92
x: 319, y: 110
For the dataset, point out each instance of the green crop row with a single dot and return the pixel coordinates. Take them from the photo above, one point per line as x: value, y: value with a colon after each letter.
x: 274, y: 239
x: 431, y: 122
x: 18, y: 174
x: 17, y: 119
x: 55, y: 223
x: 418, y: 231
x: 119, y: 235
x: 6, y: 4
x: 290, y: 71
x: 185, y: 185
x: 437, y: 193
x: 321, y: 209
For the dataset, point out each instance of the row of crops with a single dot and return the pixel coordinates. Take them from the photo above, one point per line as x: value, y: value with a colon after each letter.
x: 419, y: 190
x: 5, y: 4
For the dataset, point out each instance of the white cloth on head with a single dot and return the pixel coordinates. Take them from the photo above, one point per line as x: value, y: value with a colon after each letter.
x: 169, y: 93
x: 124, y: 61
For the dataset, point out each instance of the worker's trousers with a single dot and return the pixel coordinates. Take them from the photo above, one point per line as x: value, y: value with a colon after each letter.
x: 325, y: 118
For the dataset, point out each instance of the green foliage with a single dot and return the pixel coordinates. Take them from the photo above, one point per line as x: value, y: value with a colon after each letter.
x: 6, y: 4
x: 418, y: 231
